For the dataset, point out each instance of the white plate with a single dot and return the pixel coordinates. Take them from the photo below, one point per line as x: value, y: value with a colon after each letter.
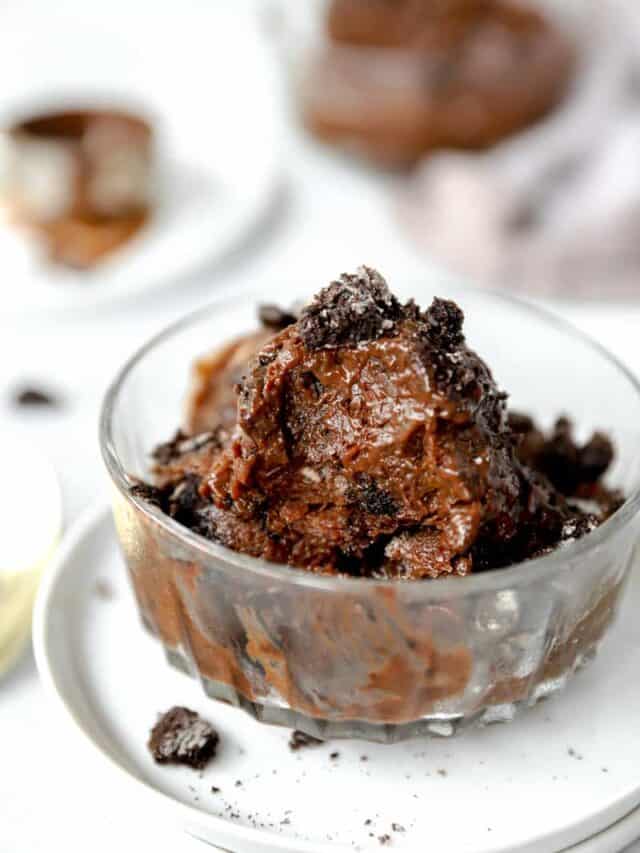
x: 205, y: 75
x: 563, y: 772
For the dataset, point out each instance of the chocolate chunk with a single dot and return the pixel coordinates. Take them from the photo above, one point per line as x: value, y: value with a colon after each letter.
x: 182, y: 737
x: 300, y: 740
x: 354, y: 309
x: 33, y: 396
x: 273, y: 317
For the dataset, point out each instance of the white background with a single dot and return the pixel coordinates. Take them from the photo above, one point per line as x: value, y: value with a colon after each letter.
x: 328, y: 217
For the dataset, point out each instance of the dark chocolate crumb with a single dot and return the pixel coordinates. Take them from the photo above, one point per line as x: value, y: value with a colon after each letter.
x: 182, y: 737
x: 368, y: 822
x: 398, y: 827
x: 148, y: 493
x: 354, y: 309
x: 443, y: 320
x: 364, y: 758
x: 299, y: 740
x: 371, y: 498
x: 570, y: 467
x: 384, y: 839
x: 215, y: 790
x: 238, y: 783
x: 334, y: 755
x: 441, y: 772
x: 35, y: 396
x: 273, y: 317
x: 574, y: 754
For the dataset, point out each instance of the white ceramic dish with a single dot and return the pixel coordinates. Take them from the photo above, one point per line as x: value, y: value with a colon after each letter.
x: 559, y: 775
x: 216, y: 107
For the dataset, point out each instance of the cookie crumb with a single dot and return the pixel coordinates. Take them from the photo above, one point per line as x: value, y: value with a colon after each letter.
x: 442, y: 772
x: 32, y: 395
x: 358, y: 307
x: 334, y: 755
x: 384, y: 839
x: 398, y: 827
x: 299, y: 740
x: 182, y: 737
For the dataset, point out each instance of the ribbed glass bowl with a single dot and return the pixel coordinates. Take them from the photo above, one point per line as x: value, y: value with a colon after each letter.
x: 380, y: 660
x: 386, y: 103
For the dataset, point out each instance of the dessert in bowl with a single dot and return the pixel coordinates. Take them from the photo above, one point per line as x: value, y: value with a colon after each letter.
x: 351, y: 534
x: 395, y: 81
x: 80, y: 180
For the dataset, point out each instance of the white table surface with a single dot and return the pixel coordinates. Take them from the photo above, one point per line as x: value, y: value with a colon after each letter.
x: 330, y: 218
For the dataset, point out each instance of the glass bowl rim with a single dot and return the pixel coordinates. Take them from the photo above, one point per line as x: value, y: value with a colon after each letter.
x: 532, y: 570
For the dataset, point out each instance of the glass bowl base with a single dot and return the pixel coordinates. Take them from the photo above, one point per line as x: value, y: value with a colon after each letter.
x: 435, y: 725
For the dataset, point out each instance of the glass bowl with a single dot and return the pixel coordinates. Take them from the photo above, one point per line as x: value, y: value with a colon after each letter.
x: 354, y: 657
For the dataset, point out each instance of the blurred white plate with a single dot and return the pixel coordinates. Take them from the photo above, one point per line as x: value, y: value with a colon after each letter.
x: 560, y: 774
x: 204, y: 73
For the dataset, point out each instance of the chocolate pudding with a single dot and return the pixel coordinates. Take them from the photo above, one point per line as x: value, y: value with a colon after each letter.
x: 398, y: 79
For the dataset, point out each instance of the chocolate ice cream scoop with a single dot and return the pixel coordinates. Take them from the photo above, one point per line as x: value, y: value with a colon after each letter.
x: 371, y: 440
x: 364, y: 438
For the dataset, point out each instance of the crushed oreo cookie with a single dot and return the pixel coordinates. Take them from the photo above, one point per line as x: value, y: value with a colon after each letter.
x: 181, y: 444
x: 357, y: 308
x: 146, y: 492
x: 300, y: 740
x: 182, y: 737
x: 572, y: 468
x: 32, y: 396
